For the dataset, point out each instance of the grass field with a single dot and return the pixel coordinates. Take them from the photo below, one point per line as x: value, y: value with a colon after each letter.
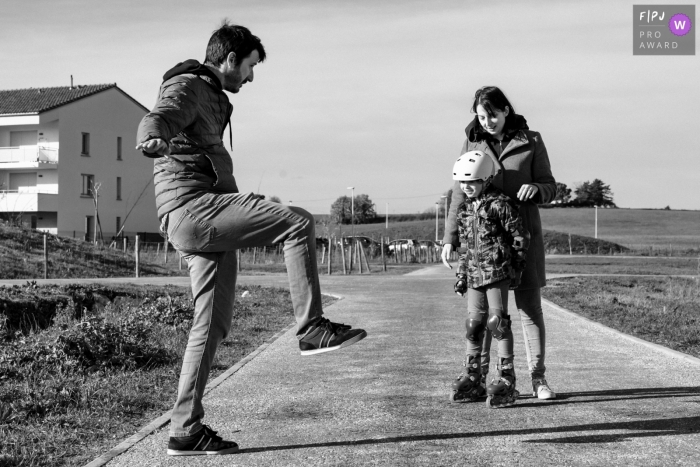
x: 645, y: 265
x: 661, y: 310
x: 634, y: 228
x: 668, y: 232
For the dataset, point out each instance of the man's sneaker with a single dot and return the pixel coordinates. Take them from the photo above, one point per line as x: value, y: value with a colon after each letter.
x: 203, y: 443
x: 541, y: 389
x: 325, y: 336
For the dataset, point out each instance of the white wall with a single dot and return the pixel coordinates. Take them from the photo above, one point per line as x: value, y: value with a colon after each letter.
x: 48, y: 130
x: 47, y: 181
x: 105, y: 116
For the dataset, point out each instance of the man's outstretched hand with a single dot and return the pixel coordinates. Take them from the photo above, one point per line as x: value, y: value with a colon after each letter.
x: 155, y: 146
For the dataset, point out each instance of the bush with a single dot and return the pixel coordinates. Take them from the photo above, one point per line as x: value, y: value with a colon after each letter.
x: 27, y: 307
x: 557, y: 242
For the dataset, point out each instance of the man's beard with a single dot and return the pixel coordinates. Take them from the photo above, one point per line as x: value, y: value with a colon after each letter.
x: 233, y: 81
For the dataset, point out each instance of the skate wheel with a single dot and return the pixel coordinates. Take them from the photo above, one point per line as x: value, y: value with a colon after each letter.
x: 459, y: 397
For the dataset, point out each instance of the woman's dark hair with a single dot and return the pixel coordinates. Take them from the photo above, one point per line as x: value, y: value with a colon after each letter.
x: 232, y: 38
x: 493, y: 99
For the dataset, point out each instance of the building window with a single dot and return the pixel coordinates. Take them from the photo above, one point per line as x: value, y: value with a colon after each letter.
x: 119, y: 188
x: 119, y: 148
x: 85, y: 151
x: 88, y: 184
x: 119, y: 225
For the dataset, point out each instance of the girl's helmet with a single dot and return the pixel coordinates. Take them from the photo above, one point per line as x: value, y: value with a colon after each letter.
x: 475, y: 165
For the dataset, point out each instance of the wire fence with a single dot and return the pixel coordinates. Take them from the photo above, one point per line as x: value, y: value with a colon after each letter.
x: 336, y: 255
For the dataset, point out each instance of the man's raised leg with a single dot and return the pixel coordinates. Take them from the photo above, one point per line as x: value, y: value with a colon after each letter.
x: 219, y: 222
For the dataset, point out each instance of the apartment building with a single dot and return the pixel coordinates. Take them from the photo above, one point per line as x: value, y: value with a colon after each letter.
x: 61, y: 145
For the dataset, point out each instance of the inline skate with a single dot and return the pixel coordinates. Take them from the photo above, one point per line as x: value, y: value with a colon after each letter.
x: 469, y: 386
x: 501, y: 392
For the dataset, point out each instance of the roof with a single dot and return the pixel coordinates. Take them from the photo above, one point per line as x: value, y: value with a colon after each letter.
x: 37, y: 100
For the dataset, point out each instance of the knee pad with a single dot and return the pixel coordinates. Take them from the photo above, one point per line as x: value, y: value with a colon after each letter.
x: 498, y: 326
x: 475, y: 330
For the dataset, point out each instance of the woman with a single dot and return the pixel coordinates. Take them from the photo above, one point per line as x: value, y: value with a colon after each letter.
x: 527, y: 178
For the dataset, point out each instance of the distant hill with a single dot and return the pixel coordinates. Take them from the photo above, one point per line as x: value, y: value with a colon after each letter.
x: 22, y: 257
x: 660, y: 231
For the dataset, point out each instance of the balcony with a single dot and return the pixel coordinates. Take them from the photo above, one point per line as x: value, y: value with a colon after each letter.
x: 32, y: 155
x: 30, y: 199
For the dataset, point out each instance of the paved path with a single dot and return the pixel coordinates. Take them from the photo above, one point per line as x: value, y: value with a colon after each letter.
x: 385, y: 401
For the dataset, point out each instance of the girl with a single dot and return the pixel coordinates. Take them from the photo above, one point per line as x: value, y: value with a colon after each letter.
x: 495, y: 247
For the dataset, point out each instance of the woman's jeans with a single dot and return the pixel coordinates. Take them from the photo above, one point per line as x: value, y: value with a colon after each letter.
x: 529, y: 303
x: 492, y: 298
x: 206, y: 232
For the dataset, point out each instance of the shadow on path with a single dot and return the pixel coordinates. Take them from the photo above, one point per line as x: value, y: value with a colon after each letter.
x: 613, y: 395
x: 645, y: 428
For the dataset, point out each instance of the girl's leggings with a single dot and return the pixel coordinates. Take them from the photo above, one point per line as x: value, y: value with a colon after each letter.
x: 482, y: 303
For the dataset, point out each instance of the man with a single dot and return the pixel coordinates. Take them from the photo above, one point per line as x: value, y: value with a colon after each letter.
x: 207, y: 219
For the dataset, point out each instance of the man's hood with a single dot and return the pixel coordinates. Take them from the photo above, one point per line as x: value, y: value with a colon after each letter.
x: 195, y: 68
x: 519, y: 123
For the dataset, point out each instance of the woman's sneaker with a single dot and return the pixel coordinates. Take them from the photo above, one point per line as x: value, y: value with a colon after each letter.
x: 203, y: 443
x: 325, y: 336
x: 541, y: 389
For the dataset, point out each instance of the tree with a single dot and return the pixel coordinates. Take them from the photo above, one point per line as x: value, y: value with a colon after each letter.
x: 364, y: 209
x: 275, y: 199
x: 563, y: 193
x: 595, y: 193
x: 341, y: 210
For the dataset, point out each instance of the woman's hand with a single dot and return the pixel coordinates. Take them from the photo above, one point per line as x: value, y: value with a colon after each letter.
x: 527, y: 192
x: 446, y: 252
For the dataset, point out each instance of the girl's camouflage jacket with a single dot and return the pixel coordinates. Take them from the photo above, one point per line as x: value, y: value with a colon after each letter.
x: 493, y: 241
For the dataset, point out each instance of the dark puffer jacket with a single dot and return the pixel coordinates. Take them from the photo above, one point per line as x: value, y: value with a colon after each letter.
x: 191, y: 113
x: 493, y: 241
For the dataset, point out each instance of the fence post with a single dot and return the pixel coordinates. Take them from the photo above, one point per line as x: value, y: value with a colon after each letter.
x: 238, y: 259
x: 358, y: 247
x: 46, y: 259
x: 165, y: 249
x: 570, y: 250
x: 342, y: 253
x: 363, y: 252
x: 323, y: 254
x: 381, y: 245
x: 136, y: 254
x: 124, y: 245
x: 179, y: 266
x: 330, y: 254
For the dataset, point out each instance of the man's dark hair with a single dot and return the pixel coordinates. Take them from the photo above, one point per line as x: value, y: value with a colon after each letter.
x: 232, y: 38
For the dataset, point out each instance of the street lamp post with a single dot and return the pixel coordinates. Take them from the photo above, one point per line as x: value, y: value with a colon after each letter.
x: 596, y: 222
x: 387, y: 215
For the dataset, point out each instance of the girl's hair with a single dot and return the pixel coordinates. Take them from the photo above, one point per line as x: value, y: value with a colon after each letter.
x: 493, y: 99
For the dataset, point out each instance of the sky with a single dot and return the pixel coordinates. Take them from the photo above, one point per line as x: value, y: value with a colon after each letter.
x: 375, y: 95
